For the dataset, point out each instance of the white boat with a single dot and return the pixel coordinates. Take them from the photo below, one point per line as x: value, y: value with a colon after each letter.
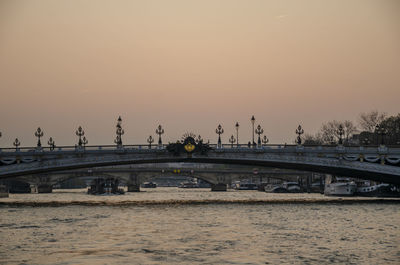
x: 378, y: 190
x: 274, y: 188
x: 189, y: 185
x: 245, y: 186
x: 339, y: 187
x: 291, y: 187
x: 149, y: 185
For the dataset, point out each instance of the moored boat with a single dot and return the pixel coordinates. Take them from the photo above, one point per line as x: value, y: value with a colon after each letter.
x: 245, y: 186
x: 149, y: 185
x: 378, y: 190
x: 340, y: 187
x: 189, y: 185
x: 273, y: 188
x: 292, y: 187
x: 102, y: 186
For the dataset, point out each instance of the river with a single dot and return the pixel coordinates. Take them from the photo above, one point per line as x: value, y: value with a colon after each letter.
x: 196, y: 226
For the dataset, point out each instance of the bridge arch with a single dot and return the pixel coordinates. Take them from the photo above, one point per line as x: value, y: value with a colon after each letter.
x: 362, y: 170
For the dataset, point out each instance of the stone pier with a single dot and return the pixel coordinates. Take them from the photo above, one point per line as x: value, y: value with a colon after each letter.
x: 218, y: 187
x: 3, y: 191
x: 308, y: 183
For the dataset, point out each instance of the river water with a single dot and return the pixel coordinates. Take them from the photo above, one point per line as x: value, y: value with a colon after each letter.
x: 196, y: 226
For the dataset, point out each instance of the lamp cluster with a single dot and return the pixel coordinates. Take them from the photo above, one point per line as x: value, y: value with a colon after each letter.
x: 259, y: 131
x: 261, y: 140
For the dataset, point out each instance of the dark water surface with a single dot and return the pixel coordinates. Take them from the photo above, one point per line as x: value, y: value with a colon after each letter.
x: 169, y: 229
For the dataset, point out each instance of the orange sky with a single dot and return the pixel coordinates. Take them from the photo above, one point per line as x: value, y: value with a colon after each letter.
x: 191, y: 65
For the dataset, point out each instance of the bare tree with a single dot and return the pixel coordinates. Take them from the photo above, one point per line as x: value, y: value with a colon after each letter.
x: 349, y: 129
x: 310, y: 139
x: 329, y: 132
x: 391, y: 126
x: 369, y: 120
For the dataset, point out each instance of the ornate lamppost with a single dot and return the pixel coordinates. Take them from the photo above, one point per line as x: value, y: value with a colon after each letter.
x: 118, y: 141
x: 340, y: 132
x: 259, y: 131
x: 159, y: 131
x: 232, y: 140
x: 265, y: 140
x: 38, y: 134
x: 253, y: 120
x: 119, y: 132
x: 299, y: 132
x: 84, y: 142
x: 219, y: 131
x: 380, y: 130
x: 51, y: 143
x: 150, y: 140
x: 16, y: 143
x: 366, y: 141
x: 80, y: 132
x: 237, y: 134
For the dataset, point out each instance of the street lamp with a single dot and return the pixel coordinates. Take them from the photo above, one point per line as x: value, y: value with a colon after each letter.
x: 16, y: 144
x: 119, y: 132
x: 84, y: 142
x: 232, y: 140
x: 265, y: 140
x: 259, y: 131
x: 253, y: 120
x: 150, y: 140
x: 219, y: 131
x: 159, y: 131
x: 51, y: 143
x: 118, y: 141
x: 39, y: 134
x: 340, y: 132
x: 380, y: 130
x: 80, y: 132
x: 299, y: 132
x: 237, y: 134
x: 366, y: 141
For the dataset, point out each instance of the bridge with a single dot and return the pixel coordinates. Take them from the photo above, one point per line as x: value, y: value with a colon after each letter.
x: 133, y: 177
x: 379, y: 163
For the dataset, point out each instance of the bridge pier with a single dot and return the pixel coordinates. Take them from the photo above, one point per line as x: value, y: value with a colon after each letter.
x: 308, y: 183
x: 41, y: 188
x: 218, y: 187
x: 133, y: 182
x: 133, y: 187
x: 321, y: 184
x: 3, y: 191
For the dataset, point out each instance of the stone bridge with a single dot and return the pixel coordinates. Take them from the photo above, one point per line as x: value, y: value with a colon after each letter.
x: 373, y: 163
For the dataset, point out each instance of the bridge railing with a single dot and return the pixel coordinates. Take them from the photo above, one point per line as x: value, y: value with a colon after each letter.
x: 240, y: 147
x: 83, y: 148
x: 139, y: 147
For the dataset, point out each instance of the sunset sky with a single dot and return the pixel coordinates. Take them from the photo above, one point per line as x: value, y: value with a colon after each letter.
x: 190, y: 65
